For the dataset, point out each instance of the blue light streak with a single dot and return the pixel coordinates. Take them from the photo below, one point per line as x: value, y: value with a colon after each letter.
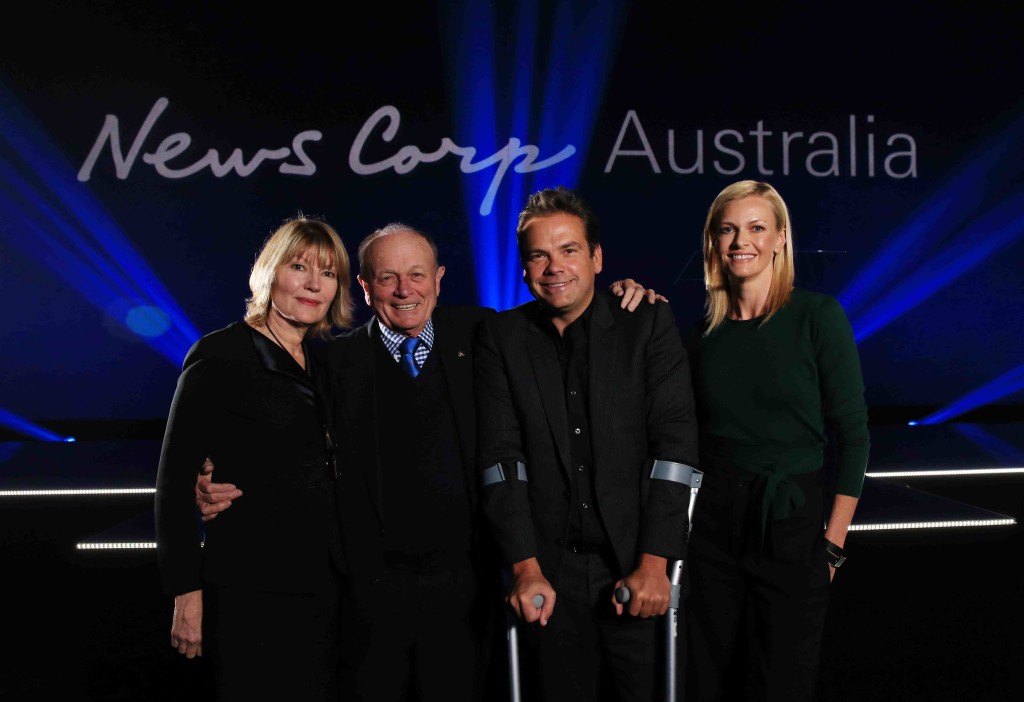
x: 54, y: 219
x: 985, y: 236
x: 959, y: 223
x: 498, y: 101
x: 24, y: 426
x: 1008, y: 383
x: 993, y: 445
x: 940, y: 216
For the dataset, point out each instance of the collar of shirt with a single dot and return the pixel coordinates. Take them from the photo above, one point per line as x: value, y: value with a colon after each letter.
x: 577, y: 329
x: 392, y: 340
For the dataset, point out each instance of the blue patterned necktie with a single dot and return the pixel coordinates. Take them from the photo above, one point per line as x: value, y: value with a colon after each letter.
x: 408, y: 361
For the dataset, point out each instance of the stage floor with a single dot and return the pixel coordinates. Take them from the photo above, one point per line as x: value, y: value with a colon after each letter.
x: 925, y: 609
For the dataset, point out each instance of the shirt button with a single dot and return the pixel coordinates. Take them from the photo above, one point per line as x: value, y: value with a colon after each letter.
x: 585, y: 506
x: 580, y: 469
x: 577, y: 430
x: 572, y: 392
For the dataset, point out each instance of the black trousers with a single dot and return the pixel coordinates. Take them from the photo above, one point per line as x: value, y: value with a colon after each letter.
x: 427, y: 642
x: 757, y: 600
x: 587, y: 653
x: 268, y: 645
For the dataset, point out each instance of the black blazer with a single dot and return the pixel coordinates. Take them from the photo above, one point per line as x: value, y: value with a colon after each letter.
x: 242, y: 401
x: 641, y: 408
x: 351, y: 384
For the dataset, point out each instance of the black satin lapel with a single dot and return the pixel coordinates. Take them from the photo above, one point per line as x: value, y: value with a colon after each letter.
x: 277, y: 361
x: 551, y: 387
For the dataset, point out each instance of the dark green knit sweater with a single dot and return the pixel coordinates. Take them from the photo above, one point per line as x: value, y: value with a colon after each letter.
x: 766, y: 393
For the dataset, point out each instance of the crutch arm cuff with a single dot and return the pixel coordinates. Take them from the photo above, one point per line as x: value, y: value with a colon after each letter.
x: 505, y: 470
x: 676, y: 472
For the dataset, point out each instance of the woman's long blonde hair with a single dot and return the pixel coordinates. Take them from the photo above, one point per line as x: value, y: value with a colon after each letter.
x: 717, y: 282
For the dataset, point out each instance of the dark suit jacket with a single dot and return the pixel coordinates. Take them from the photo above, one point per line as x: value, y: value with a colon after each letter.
x: 641, y: 408
x: 241, y: 401
x: 351, y: 384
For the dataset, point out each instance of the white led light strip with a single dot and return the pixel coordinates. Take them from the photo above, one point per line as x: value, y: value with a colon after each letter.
x: 144, y: 545
x: 118, y: 545
x: 952, y: 471
x: 69, y: 491
x: 934, y: 525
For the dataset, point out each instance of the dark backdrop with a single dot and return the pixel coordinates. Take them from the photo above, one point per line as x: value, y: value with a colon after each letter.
x: 925, y: 250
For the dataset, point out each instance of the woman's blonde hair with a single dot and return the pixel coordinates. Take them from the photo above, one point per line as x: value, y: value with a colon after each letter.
x: 715, y: 279
x: 295, y: 236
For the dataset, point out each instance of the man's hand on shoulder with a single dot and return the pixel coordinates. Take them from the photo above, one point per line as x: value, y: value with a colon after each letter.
x: 632, y: 294
x: 213, y: 498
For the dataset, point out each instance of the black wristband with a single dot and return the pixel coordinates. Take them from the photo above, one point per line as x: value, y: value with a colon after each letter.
x: 835, y: 554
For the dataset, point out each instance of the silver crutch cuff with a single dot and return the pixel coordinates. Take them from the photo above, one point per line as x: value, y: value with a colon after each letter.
x: 499, y: 473
x: 677, y: 473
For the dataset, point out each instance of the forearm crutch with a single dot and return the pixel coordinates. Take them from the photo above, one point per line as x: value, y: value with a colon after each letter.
x: 514, y: 689
x: 499, y: 473
x: 692, y: 477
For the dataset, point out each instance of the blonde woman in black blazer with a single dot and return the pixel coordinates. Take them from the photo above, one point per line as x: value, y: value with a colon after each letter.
x: 258, y: 591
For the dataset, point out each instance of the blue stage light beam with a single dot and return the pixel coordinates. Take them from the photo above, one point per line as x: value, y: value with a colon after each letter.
x: 56, y: 244
x: 941, y: 215
x: 583, y: 45
x: 27, y: 428
x: 498, y: 107
x: 523, y: 69
x: 84, y: 244
x: 471, y: 68
x: 1008, y: 383
x: 995, y: 230
x: 992, y: 445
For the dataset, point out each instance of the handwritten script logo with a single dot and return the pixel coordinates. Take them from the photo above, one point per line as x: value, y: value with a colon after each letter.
x: 293, y: 160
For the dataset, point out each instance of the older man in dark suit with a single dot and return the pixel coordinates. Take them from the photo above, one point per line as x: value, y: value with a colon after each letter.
x: 423, y: 578
x: 586, y: 423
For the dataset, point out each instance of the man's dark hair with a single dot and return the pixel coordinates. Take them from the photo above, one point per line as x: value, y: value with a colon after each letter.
x: 560, y: 200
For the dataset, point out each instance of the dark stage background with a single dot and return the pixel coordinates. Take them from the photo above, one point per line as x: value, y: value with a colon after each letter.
x: 147, y: 149
x: 122, y: 239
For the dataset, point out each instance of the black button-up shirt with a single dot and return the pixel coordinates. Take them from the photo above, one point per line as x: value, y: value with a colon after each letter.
x: 572, y: 348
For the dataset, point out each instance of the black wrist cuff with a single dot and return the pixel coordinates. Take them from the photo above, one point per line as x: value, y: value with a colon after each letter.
x: 835, y: 554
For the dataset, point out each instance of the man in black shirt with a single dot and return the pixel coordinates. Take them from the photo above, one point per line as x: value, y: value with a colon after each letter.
x: 586, y: 423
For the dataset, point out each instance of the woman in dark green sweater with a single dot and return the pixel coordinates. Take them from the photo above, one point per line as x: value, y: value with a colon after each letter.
x: 774, y: 369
